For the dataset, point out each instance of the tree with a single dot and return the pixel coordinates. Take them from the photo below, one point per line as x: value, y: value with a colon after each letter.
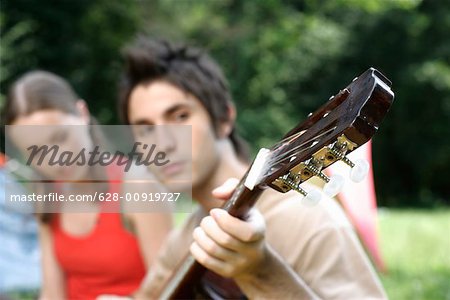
x: 79, y: 40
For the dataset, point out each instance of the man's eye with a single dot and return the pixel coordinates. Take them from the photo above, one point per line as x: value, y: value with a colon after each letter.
x: 181, y: 116
x: 145, y: 130
x: 60, y: 137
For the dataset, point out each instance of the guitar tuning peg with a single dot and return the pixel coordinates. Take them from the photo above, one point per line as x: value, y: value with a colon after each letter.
x: 360, y: 170
x: 311, y: 198
x: 334, y: 185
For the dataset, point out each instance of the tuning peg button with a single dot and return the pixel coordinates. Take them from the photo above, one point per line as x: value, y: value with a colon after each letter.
x: 312, y: 198
x: 360, y: 170
x: 334, y: 185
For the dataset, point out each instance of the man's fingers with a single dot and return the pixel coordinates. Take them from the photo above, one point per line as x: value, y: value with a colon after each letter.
x: 251, y: 230
x: 226, y: 189
x: 211, y: 247
x: 218, y: 235
x: 216, y: 265
x: 228, y: 245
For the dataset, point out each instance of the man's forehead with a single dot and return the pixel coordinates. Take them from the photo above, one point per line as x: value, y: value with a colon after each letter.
x: 150, y: 111
x: 161, y: 91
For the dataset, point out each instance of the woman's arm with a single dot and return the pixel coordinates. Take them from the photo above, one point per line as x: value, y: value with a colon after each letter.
x: 53, y: 283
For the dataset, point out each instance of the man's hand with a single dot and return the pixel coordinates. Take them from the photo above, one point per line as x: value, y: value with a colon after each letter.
x: 227, y: 245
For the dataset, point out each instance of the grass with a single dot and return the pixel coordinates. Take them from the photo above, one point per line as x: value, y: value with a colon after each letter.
x: 416, y: 248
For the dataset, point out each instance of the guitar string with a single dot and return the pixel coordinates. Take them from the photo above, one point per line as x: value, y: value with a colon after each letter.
x: 296, y: 149
x: 283, y: 142
x: 288, y: 138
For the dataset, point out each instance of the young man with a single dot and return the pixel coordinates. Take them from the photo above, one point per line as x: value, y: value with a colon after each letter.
x: 285, y: 249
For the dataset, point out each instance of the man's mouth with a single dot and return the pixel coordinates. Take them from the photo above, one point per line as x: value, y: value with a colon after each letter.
x: 172, y: 168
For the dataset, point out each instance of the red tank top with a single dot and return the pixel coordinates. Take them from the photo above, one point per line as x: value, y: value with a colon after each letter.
x: 106, y: 261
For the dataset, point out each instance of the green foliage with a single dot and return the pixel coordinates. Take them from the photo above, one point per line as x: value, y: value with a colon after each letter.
x: 415, y: 246
x: 13, y: 45
x: 79, y: 40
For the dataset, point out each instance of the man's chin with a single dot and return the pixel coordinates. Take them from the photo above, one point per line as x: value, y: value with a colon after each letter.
x: 178, y: 186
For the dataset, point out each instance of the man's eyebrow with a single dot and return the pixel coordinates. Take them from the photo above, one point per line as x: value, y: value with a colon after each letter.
x: 168, y: 112
x: 141, y: 122
x: 174, y: 108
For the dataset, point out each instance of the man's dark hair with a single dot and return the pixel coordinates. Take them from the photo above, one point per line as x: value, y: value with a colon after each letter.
x: 187, y: 68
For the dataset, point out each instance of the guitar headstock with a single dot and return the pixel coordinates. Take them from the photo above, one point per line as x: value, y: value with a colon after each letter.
x: 344, y: 123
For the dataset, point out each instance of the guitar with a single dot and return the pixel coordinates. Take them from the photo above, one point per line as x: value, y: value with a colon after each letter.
x: 344, y: 123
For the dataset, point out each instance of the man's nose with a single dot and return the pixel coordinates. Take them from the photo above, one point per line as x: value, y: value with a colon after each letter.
x: 165, y: 138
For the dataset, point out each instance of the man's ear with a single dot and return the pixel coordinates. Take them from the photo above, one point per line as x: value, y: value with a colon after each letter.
x: 83, y: 111
x: 227, y: 126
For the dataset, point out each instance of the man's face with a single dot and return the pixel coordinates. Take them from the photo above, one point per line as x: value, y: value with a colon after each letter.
x: 161, y: 103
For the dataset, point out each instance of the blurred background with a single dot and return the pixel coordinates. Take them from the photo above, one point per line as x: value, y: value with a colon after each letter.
x: 283, y: 60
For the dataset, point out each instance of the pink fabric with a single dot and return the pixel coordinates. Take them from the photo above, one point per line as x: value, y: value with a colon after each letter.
x: 2, y: 160
x: 359, y: 202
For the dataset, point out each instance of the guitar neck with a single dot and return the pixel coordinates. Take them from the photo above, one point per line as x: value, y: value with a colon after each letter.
x: 190, y: 272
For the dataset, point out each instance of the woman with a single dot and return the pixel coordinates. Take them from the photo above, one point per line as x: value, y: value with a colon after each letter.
x: 84, y: 254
